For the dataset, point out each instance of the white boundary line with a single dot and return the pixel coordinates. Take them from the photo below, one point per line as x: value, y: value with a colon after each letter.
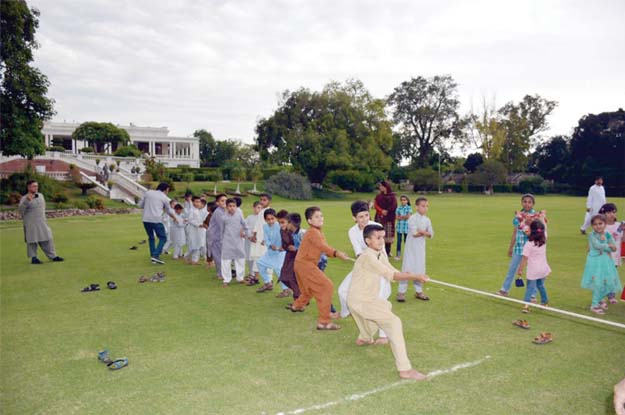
x: 555, y: 310
x: 361, y: 395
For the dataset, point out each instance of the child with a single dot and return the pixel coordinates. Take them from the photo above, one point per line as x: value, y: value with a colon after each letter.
x: 188, y: 206
x: 233, y: 234
x: 402, y: 214
x: 311, y: 280
x: 167, y: 223
x: 360, y: 213
x: 178, y: 236
x: 370, y: 311
x: 419, y: 228
x: 250, y: 222
x: 535, y: 257
x: 600, y: 274
x: 215, y: 230
x: 291, y: 240
x: 517, y: 242
x: 203, y: 228
x: 616, y: 230
x: 258, y: 249
x: 274, y: 257
x: 194, y: 219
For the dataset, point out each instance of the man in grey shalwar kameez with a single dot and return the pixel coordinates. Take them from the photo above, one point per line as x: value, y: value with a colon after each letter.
x: 32, y: 207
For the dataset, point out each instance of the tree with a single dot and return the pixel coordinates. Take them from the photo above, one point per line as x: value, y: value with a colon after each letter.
x: 207, y: 146
x: 487, y: 131
x: 425, y: 112
x: 101, y: 135
x: 23, y: 102
x: 551, y: 159
x: 523, y: 123
x: 238, y: 174
x: 255, y: 174
x: 340, y: 128
x: 490, y: 173
x: 473, y: 161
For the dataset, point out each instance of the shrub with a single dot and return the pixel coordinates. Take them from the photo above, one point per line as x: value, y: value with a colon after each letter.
x: 62, y: 205
x: 59, y: 197
x: 10, y: 198
x: 398, y: 173
x: 533, y: 185
x: 79, y: 204
x: 94, y: 202
x: 355, y: 180
x: 87, y: 150
x: 503, y: 188
x: 17, y: 183
x: 272, y: 171
x: 424, y: 179
x: 289, y: 185
x: 56, y: 148
x: 128, y: 151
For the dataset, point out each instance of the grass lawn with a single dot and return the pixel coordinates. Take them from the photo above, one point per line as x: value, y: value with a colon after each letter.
x: 195, y: 347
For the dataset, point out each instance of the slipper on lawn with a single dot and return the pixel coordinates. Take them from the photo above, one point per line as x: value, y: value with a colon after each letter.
x: 142, y: 242
x: 133, y: 248
x: 118, y: 363
x: 293, y: 309
x: 103, y: 356
x: 329, y: 326
x: 543, y: 338
x: 524, y: 324
x: 111, y: 285
x: 92, y: 287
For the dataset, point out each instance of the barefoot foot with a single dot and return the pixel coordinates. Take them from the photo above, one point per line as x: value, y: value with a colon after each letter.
x: 360, y: 342
x: 411, y: 374
x: 381, y: 341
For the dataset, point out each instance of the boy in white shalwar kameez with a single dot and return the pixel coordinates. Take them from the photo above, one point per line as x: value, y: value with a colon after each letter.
x: 250, y: 222
x: 178, y: 233
x: 419, y: 228
x: 233, y: 235
x: 258, y: 249
x: 194, y: 230
x: 360, y: 213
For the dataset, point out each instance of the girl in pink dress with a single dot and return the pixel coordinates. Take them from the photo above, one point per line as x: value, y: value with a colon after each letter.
x: 535, y: 258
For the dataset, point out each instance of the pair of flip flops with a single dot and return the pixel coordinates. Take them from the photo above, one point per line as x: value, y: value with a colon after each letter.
x: 96, y: 287
x: 158, y: 277
x: 542, y: 338
x: 115, y: 364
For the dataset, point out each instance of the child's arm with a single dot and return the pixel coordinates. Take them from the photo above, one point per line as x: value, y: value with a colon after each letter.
x: 522, y: 265
x: 318, y: 240
x: 601, y: 246
x: 409, y: 276
x: 512, y: 241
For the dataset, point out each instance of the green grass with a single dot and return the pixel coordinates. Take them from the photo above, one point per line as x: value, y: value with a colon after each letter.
x: 195, y: 347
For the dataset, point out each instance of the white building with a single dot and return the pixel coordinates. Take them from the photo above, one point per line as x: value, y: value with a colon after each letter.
x: 154, y: 141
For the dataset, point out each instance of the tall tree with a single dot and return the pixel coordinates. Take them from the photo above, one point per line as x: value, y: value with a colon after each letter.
x: 551, y: 159
x: 425, y: 112
x: 207, y: 146
x: 23, y: 102
x: 473, y: 161
x: 486, y: 130
x: 340, y: 128
x: 101, y: 134
x: 523, y: 123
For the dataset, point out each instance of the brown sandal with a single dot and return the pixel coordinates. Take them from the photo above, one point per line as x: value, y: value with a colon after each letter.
x: 329, y: 326
x: 421, y: 296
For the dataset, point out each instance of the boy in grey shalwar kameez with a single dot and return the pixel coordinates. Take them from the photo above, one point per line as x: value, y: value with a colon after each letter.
x: 232, y: 243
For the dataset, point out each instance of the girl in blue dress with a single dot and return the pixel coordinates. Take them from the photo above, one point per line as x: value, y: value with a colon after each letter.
x: 600, y: 274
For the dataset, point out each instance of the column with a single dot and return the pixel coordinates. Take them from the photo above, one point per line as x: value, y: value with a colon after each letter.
x: 151, y: 148
x: 74, y: 151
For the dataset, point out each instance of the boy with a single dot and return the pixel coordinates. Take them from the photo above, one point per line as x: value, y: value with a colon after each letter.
x: 215, y: 230
x: 291, y: 240
x: 234, y: 231
x: 369, y: 310
x: 203, y: 228
x: 274, y: 257
x: 258, y: 249
x: 311, y: 280
x: 419, y: 228
x: 178, y: 236
x: 194, y: 220
x: 360, y: 213
x: 250, y: 222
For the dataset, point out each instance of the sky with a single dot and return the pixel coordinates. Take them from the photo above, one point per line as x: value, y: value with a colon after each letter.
x: 221, y: 65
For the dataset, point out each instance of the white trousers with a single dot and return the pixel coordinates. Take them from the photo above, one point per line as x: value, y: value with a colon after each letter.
x: 226, y: 269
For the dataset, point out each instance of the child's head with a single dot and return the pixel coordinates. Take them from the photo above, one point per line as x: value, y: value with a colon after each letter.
x: 422, y: 205
x: 238, y: 201
x: 173, y: 203
x: 188, y: 195
x: 211, y: 206
x: 265, y: 199
x: 360, y: 213
x: 282, y: 218
x: 220, y: 200
x: 257, y: 207
x: 231, y: 206
x: 178, y: 208
x: 598, y: 223
x: 197, y: 202
x: 203, y: 202
x: 270, y: 216
x: 314, y: 217
x: 527, y: 201
x: 294, y: 222
x: 599, y: 180
x: 403, y: 199
x: 374, y: 236
x: 609, y: 210
x: 537, y: 233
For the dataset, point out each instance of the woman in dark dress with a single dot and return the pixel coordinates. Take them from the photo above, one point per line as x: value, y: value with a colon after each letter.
x: 385, y: 205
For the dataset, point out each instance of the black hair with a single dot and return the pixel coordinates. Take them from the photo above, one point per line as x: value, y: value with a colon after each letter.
x: 230, y: 201
x: 269, y: 212
x: 238, y: 201
x: 600, y: 217
x: 162, y: 186
x: 28, y: 183
x: 256, y: 203
x: 267, y: 195
x: 598, y: 177
x: 282, y: 214
x: 406, y: 197
x: 203, y: 201
x: 220, y: 195
x: 194, y: 198
x: 211, y: 206
x: 178, y: 206
x: 608, y: 207
x: 295, y: 219
x: 188, y: 193
x: 311, y: 211
x: 537, y: 233
x: 370, y: 229
x: 359, y: 206
x: 420, y: 199
x: 531, y: 196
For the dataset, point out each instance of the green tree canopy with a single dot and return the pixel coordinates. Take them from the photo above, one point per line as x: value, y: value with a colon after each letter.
x: 340, y: 128
x: 551, y: 159
x: 101, y: 133
x: 23, y: 102
x: 490, y: 173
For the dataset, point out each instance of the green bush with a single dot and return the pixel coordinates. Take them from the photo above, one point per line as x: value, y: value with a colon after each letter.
x: 17, y: 183
x: 128, y: 151
x: 355, y: 180
x: 79, y: 204
x: 56, y: 148
x: 87, y: 150
x: 533, y: 185
x: 503, y: 188
x: 272, y: 171
x: 289, y: 185
x: 424, y: 180
x: 9, y: 197
x: 62, y: 205
x: 398, y: 173
x: 59, y: 197
x: 94, y: 202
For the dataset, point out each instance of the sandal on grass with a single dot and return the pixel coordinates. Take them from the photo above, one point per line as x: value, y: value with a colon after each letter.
x: 597, y: 310
x: 293, y: 309
x: 421, y: 296
x: 118, y: 363
x: 103, y: 356
x: 524, y: 324
x: 329, y: 326
x: 265, y: 287
x: 543, y: 338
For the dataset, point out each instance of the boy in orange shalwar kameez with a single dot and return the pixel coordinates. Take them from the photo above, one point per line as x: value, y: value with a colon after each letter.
x: 312, y: 281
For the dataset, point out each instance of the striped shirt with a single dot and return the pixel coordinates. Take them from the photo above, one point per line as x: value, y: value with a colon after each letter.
x: 401, y: 226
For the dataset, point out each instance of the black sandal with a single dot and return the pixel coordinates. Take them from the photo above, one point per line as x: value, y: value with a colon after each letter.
x: 294, y: 310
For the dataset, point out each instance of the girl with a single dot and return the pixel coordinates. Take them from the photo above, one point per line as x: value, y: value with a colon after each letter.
x: 615, y: 229
x: 402, y: 214
x: 535, y: 257
x: 600, y: 274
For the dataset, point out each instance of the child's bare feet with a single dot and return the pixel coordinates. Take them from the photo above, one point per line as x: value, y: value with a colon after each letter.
x: 381, y: 341
x: 411, y: 374
x: 361, y: 342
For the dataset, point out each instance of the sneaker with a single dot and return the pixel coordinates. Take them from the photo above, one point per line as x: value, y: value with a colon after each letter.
x: 156, y: 260
x: 401, y: 297
x: 57, y: 259
x: 35, y: 260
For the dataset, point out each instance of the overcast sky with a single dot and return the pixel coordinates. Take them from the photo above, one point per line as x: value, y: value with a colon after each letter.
x: 220, y: 65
